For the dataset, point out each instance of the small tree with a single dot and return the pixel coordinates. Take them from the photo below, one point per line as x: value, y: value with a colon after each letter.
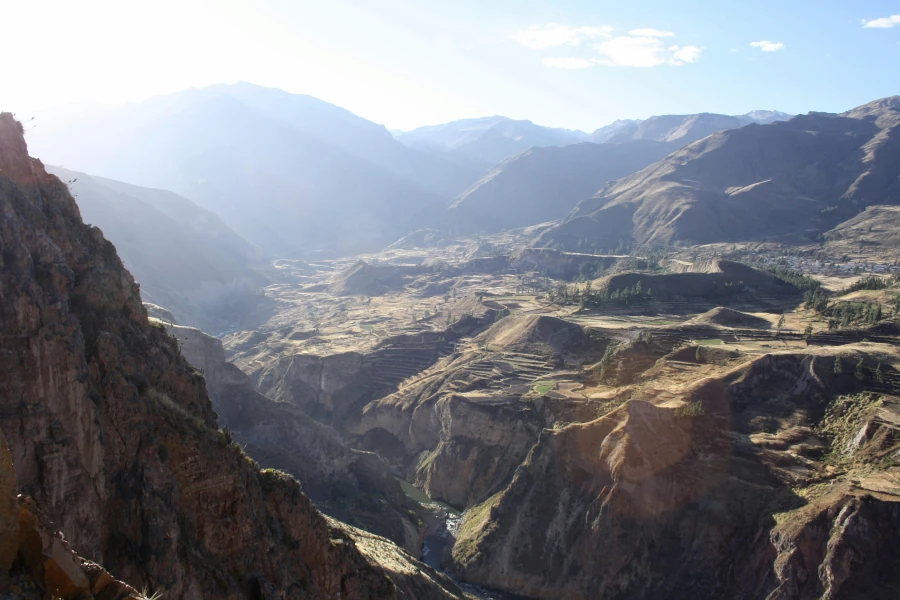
x: 879, y: 374
x: 807, y: 333
x: 838, y: 367
x: 780, y: 322
x: 860, y: 371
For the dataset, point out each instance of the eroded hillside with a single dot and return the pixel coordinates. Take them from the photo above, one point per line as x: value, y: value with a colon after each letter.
x: 664, y: 427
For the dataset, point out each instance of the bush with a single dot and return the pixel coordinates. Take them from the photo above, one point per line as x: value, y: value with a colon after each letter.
x: 690, y: 410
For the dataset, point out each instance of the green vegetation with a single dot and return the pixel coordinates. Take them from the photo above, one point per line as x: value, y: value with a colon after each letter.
x: 587, y: 296
x: 870, y: 282
x: 842, y: 421
x: 710, y: 342
x: 804, y: 282
x: 816, y: 299
x: 541, y: 388
x: 861, y: 372
x: 607, y: 359
x: 690, y: 410
x: 845, y: 313
x: 473, y: 522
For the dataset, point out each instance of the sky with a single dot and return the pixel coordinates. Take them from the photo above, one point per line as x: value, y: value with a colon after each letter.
x: 577, y: 64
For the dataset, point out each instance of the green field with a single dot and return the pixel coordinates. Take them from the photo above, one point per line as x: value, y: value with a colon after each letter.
x: 542, y: 387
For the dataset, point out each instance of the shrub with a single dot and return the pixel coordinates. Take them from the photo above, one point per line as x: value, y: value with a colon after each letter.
x: 690, y: 410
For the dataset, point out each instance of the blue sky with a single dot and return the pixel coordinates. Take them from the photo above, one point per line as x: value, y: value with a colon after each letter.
x: 404, y: 63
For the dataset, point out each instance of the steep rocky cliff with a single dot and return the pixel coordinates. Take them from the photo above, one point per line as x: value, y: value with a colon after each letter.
x: 114, y: 438
x: 354, y: 486
x: 773, y: 480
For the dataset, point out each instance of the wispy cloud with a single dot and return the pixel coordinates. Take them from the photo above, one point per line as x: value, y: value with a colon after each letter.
x: 567, y: 63
x: 641, y: 48
x: 650, y: 32
x: 553, y: 35
x: 882, y: 23
x: 644, y: 52
x: 767, y: 46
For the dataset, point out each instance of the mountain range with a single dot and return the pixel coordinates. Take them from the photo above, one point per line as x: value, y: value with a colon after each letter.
x: 488, y: 140
x: 788, y: 180
x: 291, y: 173
x: 681, y: 128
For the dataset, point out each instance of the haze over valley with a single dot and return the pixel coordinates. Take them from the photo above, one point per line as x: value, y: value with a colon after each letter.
x: 350, y: 332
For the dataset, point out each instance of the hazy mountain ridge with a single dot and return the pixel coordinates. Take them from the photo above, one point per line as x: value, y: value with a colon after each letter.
x: 488, y: 140
x: 184, y: 257
x: 257, y: 158
x: 543, y: 184
x: 681, y: 128
x: 786, y: 180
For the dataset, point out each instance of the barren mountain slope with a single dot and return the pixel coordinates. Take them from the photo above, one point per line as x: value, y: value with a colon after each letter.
x: 789, y: 180
x: 542, y: 184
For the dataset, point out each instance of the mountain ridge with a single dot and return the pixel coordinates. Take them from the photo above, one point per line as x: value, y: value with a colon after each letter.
x: 791, y: 179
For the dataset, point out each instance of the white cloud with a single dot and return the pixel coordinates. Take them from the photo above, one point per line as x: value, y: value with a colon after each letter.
x: 553, y: 35
x: 567, y: 63
x: 882, y: 23
x: 643, y: 52
x: 642, y: 47
x: 767, y: 46
x: 685, y: 54
x: 649, y: 32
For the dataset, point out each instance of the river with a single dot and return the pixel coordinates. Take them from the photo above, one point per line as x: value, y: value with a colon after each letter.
x: 440, y: 539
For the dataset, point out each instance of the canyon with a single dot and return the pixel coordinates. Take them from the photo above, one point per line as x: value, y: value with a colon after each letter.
x: 689, y: 387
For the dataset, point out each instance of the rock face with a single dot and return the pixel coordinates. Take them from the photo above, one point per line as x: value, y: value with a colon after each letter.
x: 702, y: 498
x: 113, y: 435
x: 790, y: 180
x: 41, y: 553
x: 356, y: 487
x: 459, y: 430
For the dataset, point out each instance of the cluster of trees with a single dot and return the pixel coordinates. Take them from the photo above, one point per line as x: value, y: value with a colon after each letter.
x: 844, y: 314
x: 587, y: 296
x: 871, y: 282
x: 861, y: 372
x: 804, y: 282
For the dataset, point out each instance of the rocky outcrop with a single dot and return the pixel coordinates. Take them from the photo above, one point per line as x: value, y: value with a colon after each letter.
x: 113, y: 435
x: 35, y: 558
